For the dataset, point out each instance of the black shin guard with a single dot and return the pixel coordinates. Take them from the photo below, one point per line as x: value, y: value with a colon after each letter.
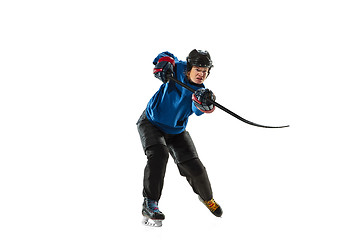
x: 154, y: 172
x: 196, y: 175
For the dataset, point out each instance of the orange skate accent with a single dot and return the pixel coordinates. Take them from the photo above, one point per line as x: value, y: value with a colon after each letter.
x: 211, y: 205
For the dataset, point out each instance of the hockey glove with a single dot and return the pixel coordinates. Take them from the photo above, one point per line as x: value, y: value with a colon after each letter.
x: 163, y: 68
x: 200, y: 100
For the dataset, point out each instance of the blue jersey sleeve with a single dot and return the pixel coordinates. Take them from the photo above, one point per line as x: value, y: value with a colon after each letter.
x: 196, y: 110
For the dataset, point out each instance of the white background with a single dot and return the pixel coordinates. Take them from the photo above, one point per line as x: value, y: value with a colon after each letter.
x: 76, y: 75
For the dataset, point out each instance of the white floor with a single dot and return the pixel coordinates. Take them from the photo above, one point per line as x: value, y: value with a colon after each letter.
x: 76, y: 75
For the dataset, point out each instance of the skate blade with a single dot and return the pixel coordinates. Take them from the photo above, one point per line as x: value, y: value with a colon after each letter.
x: 152, y: 222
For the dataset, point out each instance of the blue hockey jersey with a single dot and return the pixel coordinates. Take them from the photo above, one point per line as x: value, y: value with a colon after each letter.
x: 171, y: 106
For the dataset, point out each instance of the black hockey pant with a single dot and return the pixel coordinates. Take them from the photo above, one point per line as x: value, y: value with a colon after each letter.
x: 155, y: 169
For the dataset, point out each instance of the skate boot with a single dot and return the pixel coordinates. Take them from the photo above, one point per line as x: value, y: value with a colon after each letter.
x: 212, y: 206
x: 152, y: 215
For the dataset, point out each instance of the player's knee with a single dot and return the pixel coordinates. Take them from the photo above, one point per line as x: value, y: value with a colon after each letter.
x: 157, y: 152
x: 193, y: 167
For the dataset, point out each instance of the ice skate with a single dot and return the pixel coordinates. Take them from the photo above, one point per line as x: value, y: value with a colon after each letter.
x: 212, y: 206
x: 153, y: 217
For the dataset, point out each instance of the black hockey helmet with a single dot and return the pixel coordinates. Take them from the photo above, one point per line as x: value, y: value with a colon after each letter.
x: 199, y: 58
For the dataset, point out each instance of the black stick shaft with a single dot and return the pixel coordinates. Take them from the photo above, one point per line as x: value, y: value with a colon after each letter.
x: 224, y: 108
x: 182, y: 84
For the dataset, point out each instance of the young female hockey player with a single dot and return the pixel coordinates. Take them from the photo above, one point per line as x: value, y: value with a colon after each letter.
x: 162, y: 130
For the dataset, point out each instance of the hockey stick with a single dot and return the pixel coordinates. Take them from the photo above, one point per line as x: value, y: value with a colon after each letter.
x: 224, y: 108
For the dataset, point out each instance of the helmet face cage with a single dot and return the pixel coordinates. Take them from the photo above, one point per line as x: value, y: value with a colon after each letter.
x: 199, y: 58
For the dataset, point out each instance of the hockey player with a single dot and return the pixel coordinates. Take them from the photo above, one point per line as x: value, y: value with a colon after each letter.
x: 162, y: 129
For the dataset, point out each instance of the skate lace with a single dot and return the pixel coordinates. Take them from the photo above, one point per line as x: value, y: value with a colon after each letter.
x: 212, y: 205
x: 153, y: 205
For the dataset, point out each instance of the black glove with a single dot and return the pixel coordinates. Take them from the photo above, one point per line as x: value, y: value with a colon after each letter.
x: 163, y: 68
x: 200, y: 100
